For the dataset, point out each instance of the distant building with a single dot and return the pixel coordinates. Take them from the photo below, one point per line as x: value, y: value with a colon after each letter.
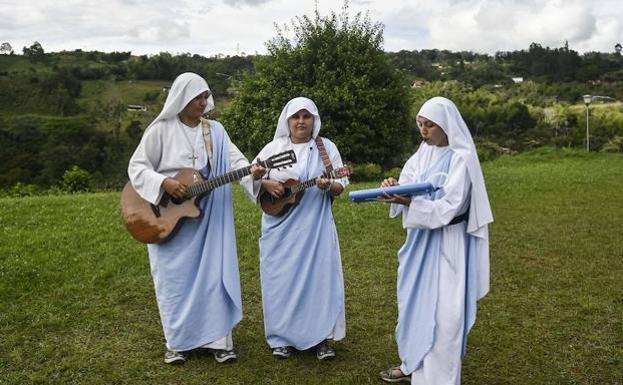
x: 136, y: 107
x: 517, y: 80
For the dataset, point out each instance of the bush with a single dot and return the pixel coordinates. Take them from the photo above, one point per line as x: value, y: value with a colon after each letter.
x: 339, y: 63
x: 490, y: 150
x: 614, y: 145
x: 20, y: 189
x: 76, y: 180
x: 393, y: 172
x: 366, y: 172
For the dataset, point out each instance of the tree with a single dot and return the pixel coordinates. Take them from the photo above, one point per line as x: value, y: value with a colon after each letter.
x: 34, y: 51
x: 135, y: 130
x: 339, y: 63
x: 6, y: 49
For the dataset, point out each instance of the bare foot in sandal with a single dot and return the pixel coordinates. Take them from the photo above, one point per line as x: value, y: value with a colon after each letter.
x: 394, y: 375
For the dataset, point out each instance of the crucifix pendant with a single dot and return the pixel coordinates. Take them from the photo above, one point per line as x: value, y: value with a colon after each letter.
x: 193, y: 157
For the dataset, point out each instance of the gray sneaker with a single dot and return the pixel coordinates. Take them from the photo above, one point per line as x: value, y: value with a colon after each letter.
x: 174, y: 358
x: 282, y: 351
x: 222, y: 356
x: 324, y: 351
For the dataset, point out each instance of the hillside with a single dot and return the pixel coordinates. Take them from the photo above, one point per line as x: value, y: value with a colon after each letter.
x: 85, y: 96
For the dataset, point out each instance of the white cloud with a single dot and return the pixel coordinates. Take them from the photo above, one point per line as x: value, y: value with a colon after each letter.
x: 238, y: 3
x: 499, y: 25
x: 232, y: 26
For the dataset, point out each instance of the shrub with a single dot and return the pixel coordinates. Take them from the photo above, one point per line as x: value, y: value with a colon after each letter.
x: 614, y: 145
x: 76, y: 180
x: 490, y: 150
x: 20, y: 189
x: 338, y: 62
x: 366, y: 172
x: 393, y: 172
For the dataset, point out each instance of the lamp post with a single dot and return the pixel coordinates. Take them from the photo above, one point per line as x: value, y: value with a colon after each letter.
x: 587, y: 100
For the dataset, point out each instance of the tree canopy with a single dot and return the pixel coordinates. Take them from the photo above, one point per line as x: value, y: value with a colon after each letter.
x: 339, y: 63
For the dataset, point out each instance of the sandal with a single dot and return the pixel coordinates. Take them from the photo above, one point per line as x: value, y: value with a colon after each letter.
x: 394, y: 375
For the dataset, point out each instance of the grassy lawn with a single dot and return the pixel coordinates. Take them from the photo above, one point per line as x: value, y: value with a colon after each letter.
x: 77, y: 303
x: 130, y: 91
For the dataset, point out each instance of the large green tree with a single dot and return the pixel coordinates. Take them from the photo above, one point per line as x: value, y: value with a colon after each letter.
x: 338, y: 62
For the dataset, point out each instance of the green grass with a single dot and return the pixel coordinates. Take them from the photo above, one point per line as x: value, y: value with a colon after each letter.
x: 77, y: 303
x: 130, y: 91
x: 20, y: 64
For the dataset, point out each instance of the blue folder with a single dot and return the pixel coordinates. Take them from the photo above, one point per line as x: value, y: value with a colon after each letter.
x: 405, y: 189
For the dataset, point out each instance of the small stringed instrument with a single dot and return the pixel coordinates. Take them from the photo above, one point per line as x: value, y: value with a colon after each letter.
x: 293, y: 192
x: 149, y: 223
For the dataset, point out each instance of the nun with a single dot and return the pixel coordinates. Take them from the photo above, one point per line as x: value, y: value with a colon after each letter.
x: 300, y: 263
x: 195, y: 273
x: 444, y: 263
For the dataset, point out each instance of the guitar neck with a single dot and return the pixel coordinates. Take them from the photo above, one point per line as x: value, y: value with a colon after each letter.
x: 303, y: 185
x: 217, y: 181
x: 309, y: 183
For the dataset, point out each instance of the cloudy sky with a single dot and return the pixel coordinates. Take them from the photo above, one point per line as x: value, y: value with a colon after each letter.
x: 209, y: 27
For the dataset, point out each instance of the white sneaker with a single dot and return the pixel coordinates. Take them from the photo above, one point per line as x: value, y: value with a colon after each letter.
x: 282, y: 351
x: 175, y: 358
x: 324, y: 351
x: 222, y: 356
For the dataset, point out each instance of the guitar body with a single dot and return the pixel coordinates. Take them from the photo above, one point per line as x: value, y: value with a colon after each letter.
x: 149, y: 223
x: 279, y: 206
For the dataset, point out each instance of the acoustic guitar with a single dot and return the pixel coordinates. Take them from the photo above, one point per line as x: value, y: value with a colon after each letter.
x: 293, y: 192
x: 149, y: 223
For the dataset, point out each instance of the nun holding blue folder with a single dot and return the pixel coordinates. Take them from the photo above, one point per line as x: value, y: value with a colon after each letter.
x: 444, y: 263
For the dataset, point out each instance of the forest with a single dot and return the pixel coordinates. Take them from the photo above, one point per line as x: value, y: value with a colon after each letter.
x: 71, y: 119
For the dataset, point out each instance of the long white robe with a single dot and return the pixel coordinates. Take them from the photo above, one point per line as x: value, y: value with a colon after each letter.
x: 197, y: 285
x: 300, y: 262
x: 441, y: 361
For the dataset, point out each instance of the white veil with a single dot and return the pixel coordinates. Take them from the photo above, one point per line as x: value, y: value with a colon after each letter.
x: 292, y: 107
x: 443, y: 112
x: 184, y: 89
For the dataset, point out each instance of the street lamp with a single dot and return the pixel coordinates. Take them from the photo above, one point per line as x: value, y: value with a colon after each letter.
x: 587, y: 100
